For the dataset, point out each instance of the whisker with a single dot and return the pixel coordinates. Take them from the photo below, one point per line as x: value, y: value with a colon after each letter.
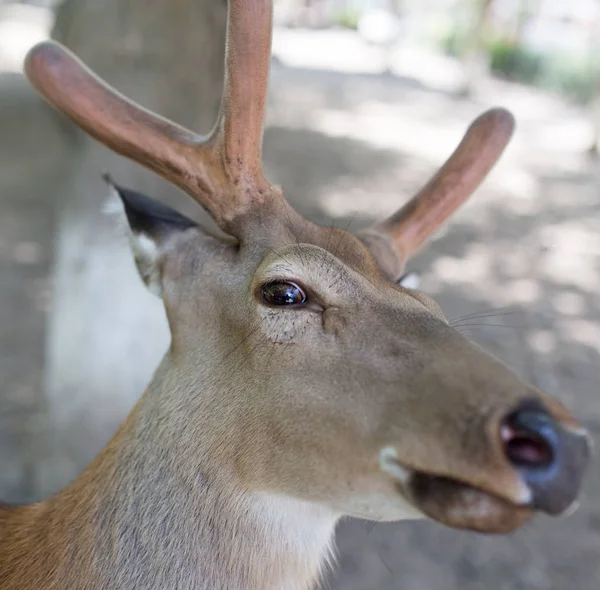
x: 470, y: 331
x: 346, y: 232
x: 252, y: 331
x: 335, y: 252
x: 261, y: 341
x: 279, y: 255
x: 371, y: 527
x: 269, y: 358
x: 328, y: 241
x: 481, y: 314
x: 387, y: 567
x: 491, y: 326
x: 287, y: 213
x: 274, y: 352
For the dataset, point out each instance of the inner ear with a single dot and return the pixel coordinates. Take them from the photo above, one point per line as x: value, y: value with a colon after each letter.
x: 150, y: 224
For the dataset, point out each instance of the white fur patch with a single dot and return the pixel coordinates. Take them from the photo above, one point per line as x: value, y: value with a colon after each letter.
x: 525, y: 496
x: 144, y: 246
x: 388, y: 461
x: 113, y: 207
x: 411, y: 280
x: 145, y: 250
x: 146, y: 253
x: 113, y: 204
x: 401, y: 508
x: 303, y: 530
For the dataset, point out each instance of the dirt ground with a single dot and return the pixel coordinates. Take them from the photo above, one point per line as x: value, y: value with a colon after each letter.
x: 351, y: 148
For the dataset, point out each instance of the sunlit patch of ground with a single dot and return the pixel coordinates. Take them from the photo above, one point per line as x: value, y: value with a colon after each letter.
x: 21, y: 26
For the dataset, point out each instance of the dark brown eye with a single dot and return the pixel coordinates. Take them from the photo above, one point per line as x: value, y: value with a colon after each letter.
x: 283, y: 293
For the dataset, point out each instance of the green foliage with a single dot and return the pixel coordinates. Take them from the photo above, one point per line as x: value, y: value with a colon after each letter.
x: 455, y: 42
x: 347, y: 18
x: 574, y: 76
x: 514, y: 62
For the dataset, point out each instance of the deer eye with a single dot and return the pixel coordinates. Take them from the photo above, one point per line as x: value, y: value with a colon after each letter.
x: 283, y: 293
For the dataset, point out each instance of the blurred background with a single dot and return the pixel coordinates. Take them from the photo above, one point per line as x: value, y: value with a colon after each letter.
x: 367, y: 99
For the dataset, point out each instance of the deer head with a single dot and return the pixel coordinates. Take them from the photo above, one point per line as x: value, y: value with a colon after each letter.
x: 296, y: 357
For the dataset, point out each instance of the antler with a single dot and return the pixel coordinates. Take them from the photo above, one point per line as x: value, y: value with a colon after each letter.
x: 397, y: 238
x: 221, y: 171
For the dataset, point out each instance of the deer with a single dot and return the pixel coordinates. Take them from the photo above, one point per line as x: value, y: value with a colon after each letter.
x: 303, y: 382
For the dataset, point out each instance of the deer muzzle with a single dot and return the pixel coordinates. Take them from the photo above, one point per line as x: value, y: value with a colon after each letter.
x: 546, y: 455
x: 550, y: 457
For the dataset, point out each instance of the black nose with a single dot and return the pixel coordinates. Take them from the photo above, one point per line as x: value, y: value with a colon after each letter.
x: 550, y: 458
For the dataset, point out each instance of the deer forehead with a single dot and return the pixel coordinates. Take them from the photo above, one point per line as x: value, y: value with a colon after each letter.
x: 310, y: 263
x: 353, y: 281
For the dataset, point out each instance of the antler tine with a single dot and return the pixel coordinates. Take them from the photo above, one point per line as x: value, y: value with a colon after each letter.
x: 406, y: 230
x: 239, y: 131
x: 222, y: 171
x: 122, y: 125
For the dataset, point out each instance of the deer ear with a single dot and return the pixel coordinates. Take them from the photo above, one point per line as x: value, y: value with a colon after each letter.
x: 149, y: 224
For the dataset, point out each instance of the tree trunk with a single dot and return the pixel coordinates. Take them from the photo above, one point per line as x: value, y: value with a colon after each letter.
x: 106, y: 333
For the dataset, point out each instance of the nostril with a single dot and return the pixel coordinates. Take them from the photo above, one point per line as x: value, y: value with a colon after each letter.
x: 528, y: 438
x: 525, y: 449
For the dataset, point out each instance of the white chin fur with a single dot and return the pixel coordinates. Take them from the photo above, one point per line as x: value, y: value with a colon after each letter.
x: 400, y: 508
x: 388, y: 461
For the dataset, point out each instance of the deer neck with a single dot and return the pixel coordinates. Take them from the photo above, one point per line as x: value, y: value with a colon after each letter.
x: 157, y: 510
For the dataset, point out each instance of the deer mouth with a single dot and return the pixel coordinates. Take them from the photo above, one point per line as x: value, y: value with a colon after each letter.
x: 460, y: 505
